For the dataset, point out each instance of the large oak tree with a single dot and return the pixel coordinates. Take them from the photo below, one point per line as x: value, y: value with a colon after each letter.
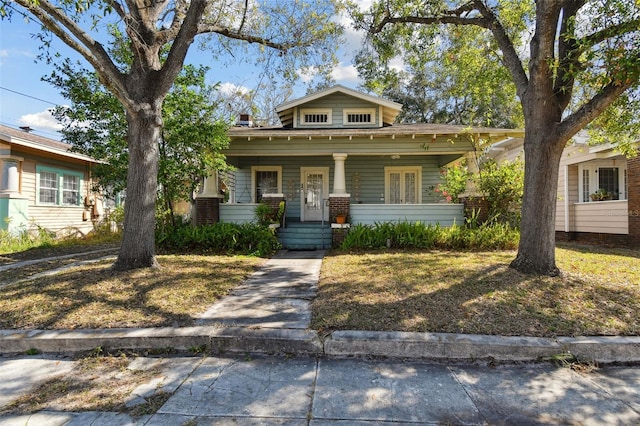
x: 582, y: 56
x: 286, y: 35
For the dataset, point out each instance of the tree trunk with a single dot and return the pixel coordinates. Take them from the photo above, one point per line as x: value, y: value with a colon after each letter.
x: 536, y: 251
x: 138, y: 243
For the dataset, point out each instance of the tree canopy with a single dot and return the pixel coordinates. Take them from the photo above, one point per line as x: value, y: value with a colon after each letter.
x: 282, y: 36
x: 570, y: 61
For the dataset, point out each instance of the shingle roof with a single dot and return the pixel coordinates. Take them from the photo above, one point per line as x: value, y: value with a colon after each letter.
x: 30, y: 140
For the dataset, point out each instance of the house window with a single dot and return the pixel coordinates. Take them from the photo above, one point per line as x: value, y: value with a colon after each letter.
x: 603, y: 176
x: 58, y: 187
x: 316, y: 116
x: 359, y: 116
x: 48, y: 188
x: 403, y: 185
x: 265, y: 180
x: 608, y: 181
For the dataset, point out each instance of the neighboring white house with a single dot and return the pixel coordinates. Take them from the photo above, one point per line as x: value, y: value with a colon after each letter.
x: 596, y: 198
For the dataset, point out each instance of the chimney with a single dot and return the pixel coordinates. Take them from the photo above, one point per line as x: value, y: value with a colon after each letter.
x: 245, y: 120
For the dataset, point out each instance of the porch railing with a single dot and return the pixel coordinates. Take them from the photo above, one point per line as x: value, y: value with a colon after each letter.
x: 368, y: 214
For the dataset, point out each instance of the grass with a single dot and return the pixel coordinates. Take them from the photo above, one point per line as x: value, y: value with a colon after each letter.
x: 386, y: 290
x: 94, y: 296
x: 97, y: 383
x: 477, y: 293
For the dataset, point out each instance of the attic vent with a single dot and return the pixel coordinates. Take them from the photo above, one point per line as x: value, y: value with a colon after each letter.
x: 316, y: 116
x: 359, y: 118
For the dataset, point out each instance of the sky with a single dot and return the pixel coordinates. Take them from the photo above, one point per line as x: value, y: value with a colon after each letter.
x: 25, y: 98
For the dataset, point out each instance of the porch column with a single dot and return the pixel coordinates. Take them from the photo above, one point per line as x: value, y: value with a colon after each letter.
x: 339, y: 181
x: 633, y: 200
x: 10, y: 176
x: 207, y: 210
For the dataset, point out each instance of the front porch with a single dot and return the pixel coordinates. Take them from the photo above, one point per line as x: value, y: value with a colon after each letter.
x: 296, y: 235
x: 366, y: 214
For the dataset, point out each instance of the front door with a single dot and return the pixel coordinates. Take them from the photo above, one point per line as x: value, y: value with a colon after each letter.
x: 315, y: 190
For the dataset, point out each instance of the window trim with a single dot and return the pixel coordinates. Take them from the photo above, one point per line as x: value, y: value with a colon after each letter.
x: 60, y: 173
x: 255, y: 169
x: 591, y: 168
x: 347, y: 111
x: 402, y: 169
x: 309, y: 111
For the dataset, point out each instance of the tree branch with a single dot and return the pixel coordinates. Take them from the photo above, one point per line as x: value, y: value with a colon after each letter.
x: 592, y: 109
x: 226, y: 32
x: 180, y: 46
x: 58, y: 23
x: 487, y: 20
x: 568, y: 54
x: 606, y: 33
x: 117, y: 7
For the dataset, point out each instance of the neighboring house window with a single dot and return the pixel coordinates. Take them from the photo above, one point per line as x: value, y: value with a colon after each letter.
x: 316, y: 116
x: 585, y: 185
x: 603, y: 176
x: 403, y: 185
x: 265, y: 180
x: 359, y: 116
x: 608, y: 180
x: 58, y: 187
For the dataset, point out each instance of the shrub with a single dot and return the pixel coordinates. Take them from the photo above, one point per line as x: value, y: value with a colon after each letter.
x: 221, y: 237
x: 490, y: 236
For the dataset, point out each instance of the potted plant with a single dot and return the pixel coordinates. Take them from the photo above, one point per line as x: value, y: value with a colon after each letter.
x: 264, y: 214
x: 600, y: 195
x: 341, y: 217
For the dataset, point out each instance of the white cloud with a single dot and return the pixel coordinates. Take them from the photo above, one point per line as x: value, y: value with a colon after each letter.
x: 345, y: 73
x: 230, y: 89
x: 43, y: 120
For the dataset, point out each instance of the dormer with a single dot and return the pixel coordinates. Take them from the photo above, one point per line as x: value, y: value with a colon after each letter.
x: 338, y: 107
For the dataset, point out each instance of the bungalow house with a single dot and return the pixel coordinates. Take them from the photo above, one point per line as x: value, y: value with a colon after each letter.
x: 339, y: 151
x: 598, y: 192
x: 43, y: 184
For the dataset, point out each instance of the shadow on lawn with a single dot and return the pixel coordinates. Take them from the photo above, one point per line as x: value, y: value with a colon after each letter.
x: 493, y: 299
x: 100, y: 298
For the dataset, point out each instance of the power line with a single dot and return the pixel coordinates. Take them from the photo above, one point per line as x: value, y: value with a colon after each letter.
x: 29, y: 96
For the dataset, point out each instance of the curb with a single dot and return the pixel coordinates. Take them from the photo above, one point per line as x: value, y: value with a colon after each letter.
x: 405, y: 345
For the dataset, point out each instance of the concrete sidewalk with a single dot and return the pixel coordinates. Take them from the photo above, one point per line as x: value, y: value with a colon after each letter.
x: 272, y: 390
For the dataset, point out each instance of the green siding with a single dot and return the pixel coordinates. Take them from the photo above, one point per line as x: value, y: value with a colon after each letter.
x: 442, y: 214
x: 338, y: 102
x: 370, y: 170
x: 14, y: 214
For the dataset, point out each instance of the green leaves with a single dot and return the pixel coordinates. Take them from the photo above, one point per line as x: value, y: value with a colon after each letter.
x: 405, y: 235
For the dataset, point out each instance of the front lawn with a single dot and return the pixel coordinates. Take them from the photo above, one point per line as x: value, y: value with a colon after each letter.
x: 476, y: 292
x: 94, y: 296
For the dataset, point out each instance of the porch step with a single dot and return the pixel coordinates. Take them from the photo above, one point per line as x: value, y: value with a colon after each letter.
x: 305, y: 236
